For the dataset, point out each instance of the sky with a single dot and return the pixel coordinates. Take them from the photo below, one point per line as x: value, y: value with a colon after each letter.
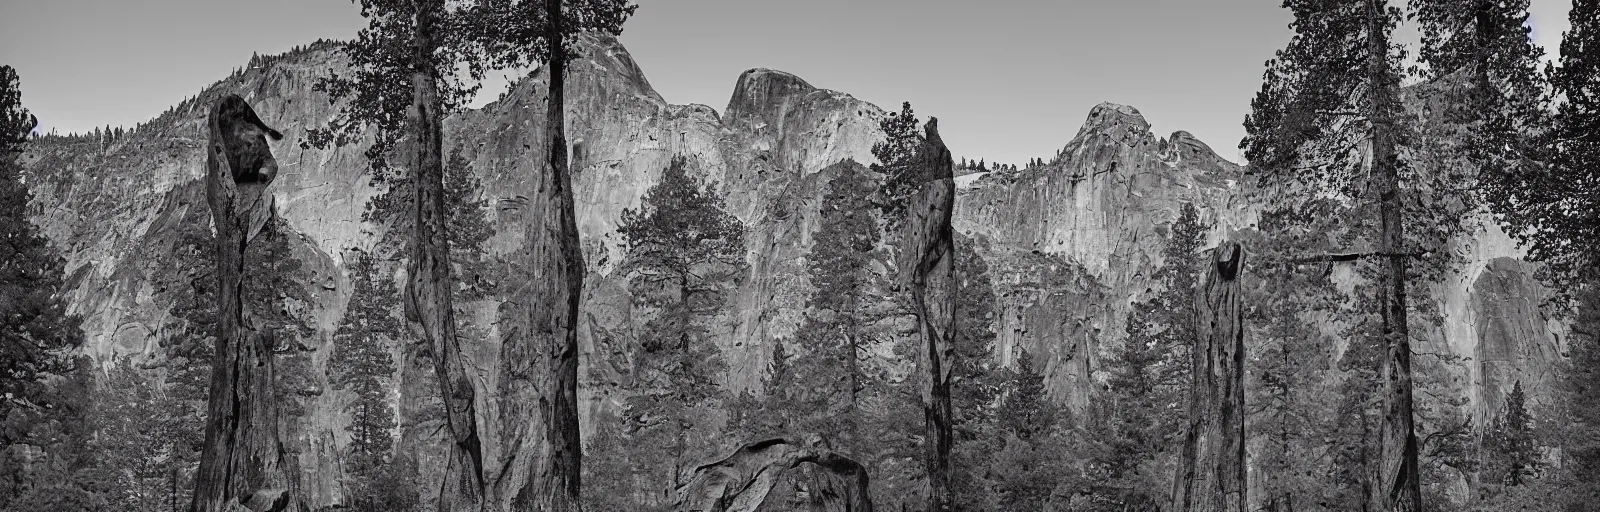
x: 1010, y: 80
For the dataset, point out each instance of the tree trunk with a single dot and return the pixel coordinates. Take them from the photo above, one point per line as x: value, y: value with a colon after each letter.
x: 429, y: 287
x: 1482, y: 91
x: 242, y: 461
x: 852, y: 435
x: 1399, y: 487
x: 540, y: 363
x: 930, y: 254
x: 1285, y: 502
x: 1211, y: 470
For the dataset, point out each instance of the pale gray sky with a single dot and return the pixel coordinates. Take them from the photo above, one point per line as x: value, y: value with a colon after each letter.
x: 1009, y: 79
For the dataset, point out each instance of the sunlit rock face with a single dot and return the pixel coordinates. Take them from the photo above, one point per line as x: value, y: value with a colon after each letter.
x: 1070, y: 245
x: 114, y: 210
x: 1103, y: 206
x: 111, y: 209
x: 1516, y: 337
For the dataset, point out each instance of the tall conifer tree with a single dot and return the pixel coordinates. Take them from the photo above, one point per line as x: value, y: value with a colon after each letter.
x: 1328, y: 119
x: 35, y: 328
x: 1553, y: 208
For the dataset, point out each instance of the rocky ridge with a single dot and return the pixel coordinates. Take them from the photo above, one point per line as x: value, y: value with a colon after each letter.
x: 1071, y: 243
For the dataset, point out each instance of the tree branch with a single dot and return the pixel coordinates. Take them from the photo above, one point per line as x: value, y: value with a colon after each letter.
x: 1334, y: 258
x: 1445, y: 433
x: 1351, y: 113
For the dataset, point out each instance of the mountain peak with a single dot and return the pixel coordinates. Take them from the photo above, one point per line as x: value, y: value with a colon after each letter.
x: 759, y: 88
x: 1108, y: 117
x: 608, y: 56
x: 1185, y: 139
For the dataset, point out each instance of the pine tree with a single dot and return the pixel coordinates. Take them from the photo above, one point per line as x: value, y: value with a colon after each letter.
x: 468, y: 229
x: 1032, y: 460
x: 818, y: 389
x: 827, y: 383
x: 608, y: 474
x: 895, y: 156
x: 15, y: 121
x: 1509, y: 443
x: 1489, y: 41
x: 1024, y: 410
x: 1330, y: 97
x: 976, y: 380
x: 1290, y: 367
x: 1580, y: 396
x: 35, y: 329
x: 1128, y: 431
x: 1173, y: 308
x: 276, y: 289
x: 1359, y: 404
x: 68, y: 473
x: 1549, y: 207
x: 767, y: 416
x: 976, y: 373
x: 1148, y: 374
x: 379, y: 89
x: 684, y: 254
x: 129, y: 467
x: 1491, y: 103
x: 362, y: 365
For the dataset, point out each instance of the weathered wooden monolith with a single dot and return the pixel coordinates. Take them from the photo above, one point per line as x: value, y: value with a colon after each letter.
x: 1211, y: 467
x: 928, y: 256
x: 242, y: 463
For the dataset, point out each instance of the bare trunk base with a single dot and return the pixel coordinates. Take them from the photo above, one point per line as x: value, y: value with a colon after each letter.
x: 242, y: 464
x: 1211, y: 467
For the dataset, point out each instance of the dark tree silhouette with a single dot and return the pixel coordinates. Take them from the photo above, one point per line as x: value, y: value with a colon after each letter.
x: 1211, y: 470
x: 1551, y: 207
x: 35, y: 328
x: 243, y: 461
x: 684, y: 254
x: 1333, y: 88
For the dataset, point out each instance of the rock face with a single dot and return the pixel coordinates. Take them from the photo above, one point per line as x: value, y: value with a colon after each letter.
x: 1095, y: 219
x: 1516, y: 339
x: 1071, y: 244
x: 116, y: 209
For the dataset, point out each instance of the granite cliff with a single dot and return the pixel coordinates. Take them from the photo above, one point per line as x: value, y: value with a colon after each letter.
x: 1071, y: 244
